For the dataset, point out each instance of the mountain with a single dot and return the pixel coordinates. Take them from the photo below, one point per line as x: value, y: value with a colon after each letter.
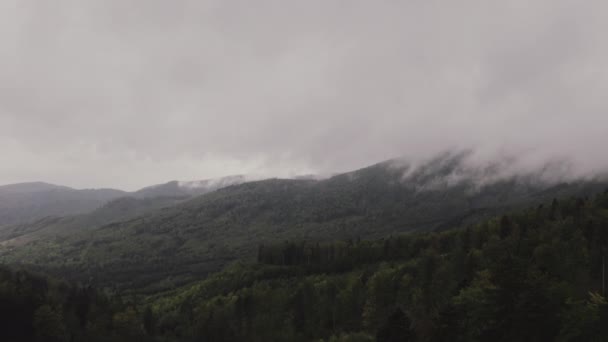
x: 27, y: 202
x: 533, y: 275
x: 173, y: 245
x: 120, y: 209
x: 31, y: 187
x: 188, y: 188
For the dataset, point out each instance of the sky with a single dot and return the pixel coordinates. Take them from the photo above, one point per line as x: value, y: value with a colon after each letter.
x: 124, y: 94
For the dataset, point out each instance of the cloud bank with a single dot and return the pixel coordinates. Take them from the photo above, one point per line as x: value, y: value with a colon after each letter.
x: 131, y: 93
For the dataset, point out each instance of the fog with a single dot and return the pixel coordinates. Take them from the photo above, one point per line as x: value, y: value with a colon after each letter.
x: 131, y: 93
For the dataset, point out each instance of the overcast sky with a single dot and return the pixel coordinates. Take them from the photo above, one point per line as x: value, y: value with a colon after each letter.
x: 125, y: 93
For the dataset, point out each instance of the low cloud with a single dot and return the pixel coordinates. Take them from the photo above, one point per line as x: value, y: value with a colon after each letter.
x: 131, y: 93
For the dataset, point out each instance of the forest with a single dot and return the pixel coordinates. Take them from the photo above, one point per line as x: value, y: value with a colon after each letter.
x: 536, y: 274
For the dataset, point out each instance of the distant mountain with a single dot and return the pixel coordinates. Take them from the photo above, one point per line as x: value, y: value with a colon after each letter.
x: 31, y: 187
x: 26, y: 202
x: 201, y: 235
x: 120, y: 209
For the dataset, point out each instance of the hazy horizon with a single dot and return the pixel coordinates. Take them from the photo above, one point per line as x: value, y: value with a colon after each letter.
x: 471, y: 165
x: 118, y: 94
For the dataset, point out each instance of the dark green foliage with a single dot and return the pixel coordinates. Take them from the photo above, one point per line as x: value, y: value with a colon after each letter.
x: 36, y: 308
x: 396, y: 328
x: 538, y: 280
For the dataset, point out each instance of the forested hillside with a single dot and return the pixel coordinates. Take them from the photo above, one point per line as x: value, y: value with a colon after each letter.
x: 178, y: 244
x: 26, y: 203
x: 303, y: 171
x: 121, y: 209
x: 535, y: 275
x: 188, y: 189
x: 532, y: 275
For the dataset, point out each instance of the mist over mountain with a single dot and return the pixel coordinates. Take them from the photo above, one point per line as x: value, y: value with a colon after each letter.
x: 474, y: 169
x: 336, y: 87
x: 303, y: 171
x: 191, y: 237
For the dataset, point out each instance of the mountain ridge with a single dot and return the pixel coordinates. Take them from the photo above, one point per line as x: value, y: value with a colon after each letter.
x: 28, y: 202
x: 200, y: 235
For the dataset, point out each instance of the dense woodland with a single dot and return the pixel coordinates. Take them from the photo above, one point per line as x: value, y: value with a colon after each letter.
x: 532, y: 275
x: 38, y: 308
x: 535, y: 275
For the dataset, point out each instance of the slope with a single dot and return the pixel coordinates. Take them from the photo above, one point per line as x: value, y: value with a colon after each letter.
x: 188, y: 188
x: 535, y: 275
x: 30, y: 207
x: 123, y: 208
x: 177, y: 244
x: 27, y: 202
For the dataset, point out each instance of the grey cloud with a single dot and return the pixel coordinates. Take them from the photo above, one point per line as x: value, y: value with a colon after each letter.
x: 130, y: 93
